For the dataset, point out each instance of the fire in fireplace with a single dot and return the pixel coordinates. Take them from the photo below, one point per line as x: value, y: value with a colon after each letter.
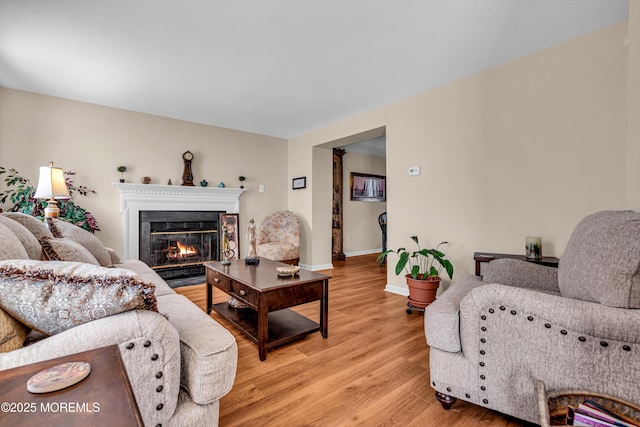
x: 176, y: 244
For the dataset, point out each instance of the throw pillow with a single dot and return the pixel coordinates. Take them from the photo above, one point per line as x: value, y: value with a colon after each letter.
x: 28, y: 240
x: 10, y: 246
x: 115, y: 259
x: 53, y: 296
x: 79, y: 235
x: 33, y: 224
x: 12, y: 333
x: 66, y: 250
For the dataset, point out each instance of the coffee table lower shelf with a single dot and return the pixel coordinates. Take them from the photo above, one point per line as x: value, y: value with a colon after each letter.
x: 285, y: 325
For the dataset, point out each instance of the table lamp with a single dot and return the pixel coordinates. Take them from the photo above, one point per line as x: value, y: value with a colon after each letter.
x: 51, y: 186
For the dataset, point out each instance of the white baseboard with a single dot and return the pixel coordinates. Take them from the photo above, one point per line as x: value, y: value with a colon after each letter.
x: 365, y: 252
x: 316, y: 267
x: 398, y: 290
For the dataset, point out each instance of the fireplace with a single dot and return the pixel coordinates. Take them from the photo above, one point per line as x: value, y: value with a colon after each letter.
x: 176, y: 244
x: 147, y: 199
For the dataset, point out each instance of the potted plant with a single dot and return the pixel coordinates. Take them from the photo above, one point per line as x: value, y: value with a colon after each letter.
x: 241, y: 179
x: 122, y: 170
x: 422, y: 268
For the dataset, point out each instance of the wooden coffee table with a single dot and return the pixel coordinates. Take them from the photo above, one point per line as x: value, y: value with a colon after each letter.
x: 268, y: 321
x: 104, y: 398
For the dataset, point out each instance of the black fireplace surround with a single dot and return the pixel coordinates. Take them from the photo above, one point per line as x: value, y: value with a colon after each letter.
x: 176, y: 244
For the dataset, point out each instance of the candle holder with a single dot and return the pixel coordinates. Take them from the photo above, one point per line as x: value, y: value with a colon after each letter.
x: 533, y: 247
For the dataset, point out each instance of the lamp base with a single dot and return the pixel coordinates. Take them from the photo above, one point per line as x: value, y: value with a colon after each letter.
x: 52, y: 210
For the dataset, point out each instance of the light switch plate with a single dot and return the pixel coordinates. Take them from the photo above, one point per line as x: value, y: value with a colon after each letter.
x: 414, y: 171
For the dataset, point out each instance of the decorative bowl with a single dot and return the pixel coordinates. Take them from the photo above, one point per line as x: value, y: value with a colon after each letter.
x: 288, y: 271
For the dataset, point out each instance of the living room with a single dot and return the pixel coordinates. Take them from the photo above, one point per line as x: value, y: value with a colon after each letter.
x: 527, y: 146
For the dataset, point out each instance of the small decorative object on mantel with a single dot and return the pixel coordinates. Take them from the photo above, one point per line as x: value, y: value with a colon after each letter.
x: 533, y: 247
x: 252, y: 258
x: 145, y: 180
x: 203, y: 183
x: 187, y: 175
x: 221, y: 185
x: 58, y: 377
x: 169, y: 182
x: 122, y: 170
x: 241, y: 179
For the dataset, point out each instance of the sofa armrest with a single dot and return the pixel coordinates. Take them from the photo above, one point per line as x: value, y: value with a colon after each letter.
x: 442, y: 317
x: 208, y: 351
x: 522, y: 274
x: 149, y: 332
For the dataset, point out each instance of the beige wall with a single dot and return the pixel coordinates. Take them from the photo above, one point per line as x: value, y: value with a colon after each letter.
x: 92, y: 141
x: 525, y: 148
x: 361, y: 232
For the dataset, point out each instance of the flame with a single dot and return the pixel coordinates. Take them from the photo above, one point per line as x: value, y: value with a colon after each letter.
x: 185, y: 250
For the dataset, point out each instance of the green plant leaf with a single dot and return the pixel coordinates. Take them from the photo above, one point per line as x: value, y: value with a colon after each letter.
x: 384, y: 254
x: 433, y: 272
x: 402, y: 262
x: 415, y: 270
x: 448, y: 267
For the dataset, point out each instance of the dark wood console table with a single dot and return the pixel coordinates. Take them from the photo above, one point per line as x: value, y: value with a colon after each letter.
x: 268, y: 321
x: 481, y: 257
x: 104, y: 398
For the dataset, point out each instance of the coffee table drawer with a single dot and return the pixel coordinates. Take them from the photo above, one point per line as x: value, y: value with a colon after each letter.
x: 244, y: 292
x: 218, y: 280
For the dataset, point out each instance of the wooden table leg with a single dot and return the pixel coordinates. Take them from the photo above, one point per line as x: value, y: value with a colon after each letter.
x: 209, y: 297
x: 263, y: 330
x: 324, y: 309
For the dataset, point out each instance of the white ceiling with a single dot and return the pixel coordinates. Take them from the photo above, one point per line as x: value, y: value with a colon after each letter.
x: 276, y: 67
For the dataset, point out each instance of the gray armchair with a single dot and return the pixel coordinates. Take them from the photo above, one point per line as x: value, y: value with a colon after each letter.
x: 575, y: 327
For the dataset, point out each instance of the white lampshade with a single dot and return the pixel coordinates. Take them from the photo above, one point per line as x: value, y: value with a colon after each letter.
x: 51, y: 184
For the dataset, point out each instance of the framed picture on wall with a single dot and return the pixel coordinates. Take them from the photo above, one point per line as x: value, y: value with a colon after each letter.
x: 368, y: 188
x: 299, y: 183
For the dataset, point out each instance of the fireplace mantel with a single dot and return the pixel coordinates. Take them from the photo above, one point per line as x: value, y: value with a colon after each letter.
x: 149, y: 197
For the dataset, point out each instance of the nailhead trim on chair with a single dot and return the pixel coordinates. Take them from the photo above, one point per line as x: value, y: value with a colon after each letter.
x: 483, y: 352
x: 483, y: 340
x: 153, y: 351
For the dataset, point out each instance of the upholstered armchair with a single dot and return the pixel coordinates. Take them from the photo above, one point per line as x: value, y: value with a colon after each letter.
x: 278, y: 238
x: 575, y: 327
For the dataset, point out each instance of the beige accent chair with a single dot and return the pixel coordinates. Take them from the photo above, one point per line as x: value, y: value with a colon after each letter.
x: 278, y: 238
x: 575, y: 327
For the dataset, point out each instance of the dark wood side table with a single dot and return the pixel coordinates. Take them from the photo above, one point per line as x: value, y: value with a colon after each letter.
x: 481, y: 257
x: 268, y: 321
x: 104, y: 398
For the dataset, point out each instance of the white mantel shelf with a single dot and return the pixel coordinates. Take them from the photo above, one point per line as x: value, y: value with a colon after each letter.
x: 150, y: 197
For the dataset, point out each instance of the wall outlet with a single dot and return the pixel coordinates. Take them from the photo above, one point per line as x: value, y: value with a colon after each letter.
x: 261, y: 188
x: 414, y: 171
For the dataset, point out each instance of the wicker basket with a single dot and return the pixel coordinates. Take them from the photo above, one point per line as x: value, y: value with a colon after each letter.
x: 553, y: 405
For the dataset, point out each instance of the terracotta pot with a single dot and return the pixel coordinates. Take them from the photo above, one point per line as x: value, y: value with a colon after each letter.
x: 422, y: 292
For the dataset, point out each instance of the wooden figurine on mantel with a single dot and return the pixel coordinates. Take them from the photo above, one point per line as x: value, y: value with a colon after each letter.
x: 187, y: 175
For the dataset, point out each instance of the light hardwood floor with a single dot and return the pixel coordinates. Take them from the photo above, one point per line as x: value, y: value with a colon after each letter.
x: 372, y: 370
